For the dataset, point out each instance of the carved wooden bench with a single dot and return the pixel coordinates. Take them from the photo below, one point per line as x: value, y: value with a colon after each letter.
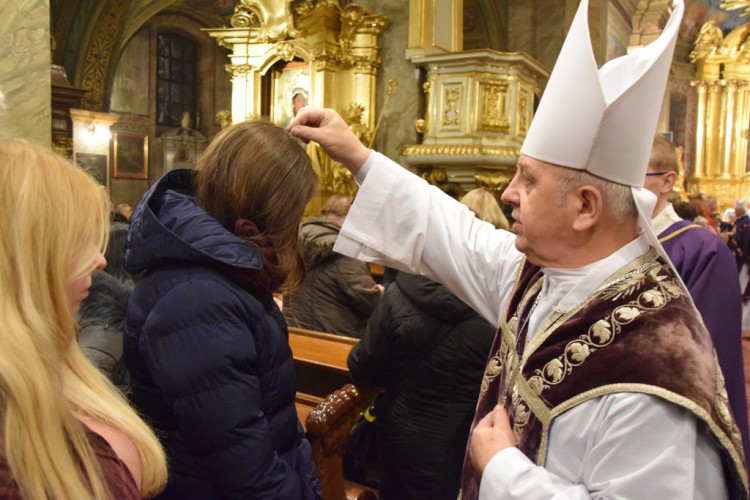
x: 328, y: 427
x: 328, y: 405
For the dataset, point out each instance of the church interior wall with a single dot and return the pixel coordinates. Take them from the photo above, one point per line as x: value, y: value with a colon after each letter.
x: 133, y: 93
x: 397, y: 127
x: 25, y: 81
x: 97, y: 47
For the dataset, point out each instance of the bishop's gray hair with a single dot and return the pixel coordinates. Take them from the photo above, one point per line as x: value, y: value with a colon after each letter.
x: 617, y: 198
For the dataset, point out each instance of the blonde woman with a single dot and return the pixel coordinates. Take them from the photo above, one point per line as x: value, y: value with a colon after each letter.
x: 485, y: 206
x: 66, y: 432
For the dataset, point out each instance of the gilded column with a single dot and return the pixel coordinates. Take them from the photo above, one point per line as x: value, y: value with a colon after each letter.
x: 714, y: 124
x: 700, y: 132
x: 727, y: 156
x: 741, y: 129
x: 243, y: 91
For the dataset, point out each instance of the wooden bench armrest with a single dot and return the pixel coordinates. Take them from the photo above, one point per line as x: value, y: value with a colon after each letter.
x: 328, y: 428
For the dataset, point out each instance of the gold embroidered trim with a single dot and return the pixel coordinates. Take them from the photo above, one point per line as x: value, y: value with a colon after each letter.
x: 678, y: 232
x: 603, y: 332
x: 645, y: 260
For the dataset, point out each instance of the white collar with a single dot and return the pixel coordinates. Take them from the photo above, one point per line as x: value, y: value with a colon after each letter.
x: 665, y: 219
x: 563, y: 289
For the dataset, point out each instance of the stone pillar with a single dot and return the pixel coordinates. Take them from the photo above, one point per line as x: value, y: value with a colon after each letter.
x: 25, y: 81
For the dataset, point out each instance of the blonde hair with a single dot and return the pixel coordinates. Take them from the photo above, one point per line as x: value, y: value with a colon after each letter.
x: 337, y: 205
x: 258, y: 171
x: 484, y: 204
x: 53, y: 219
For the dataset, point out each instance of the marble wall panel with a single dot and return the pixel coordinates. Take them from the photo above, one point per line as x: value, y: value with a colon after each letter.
x: 25, y: 86
x: 397, y: 127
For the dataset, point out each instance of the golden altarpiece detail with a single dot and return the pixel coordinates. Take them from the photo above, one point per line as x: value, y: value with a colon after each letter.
x: 478, y: 104
x: 336, y: 51
x: 722, y: 85
x: 478, y: 110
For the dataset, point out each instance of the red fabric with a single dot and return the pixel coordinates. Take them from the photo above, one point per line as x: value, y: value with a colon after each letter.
x: 120, y: 481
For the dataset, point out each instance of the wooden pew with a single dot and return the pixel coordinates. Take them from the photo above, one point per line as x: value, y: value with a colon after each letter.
x: 320, y: 359
x: 328, y: 405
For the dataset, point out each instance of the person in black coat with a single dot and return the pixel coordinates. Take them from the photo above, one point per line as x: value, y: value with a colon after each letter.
x: 431, y: 384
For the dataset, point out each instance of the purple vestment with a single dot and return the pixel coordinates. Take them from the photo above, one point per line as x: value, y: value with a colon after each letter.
x: 708, y: 268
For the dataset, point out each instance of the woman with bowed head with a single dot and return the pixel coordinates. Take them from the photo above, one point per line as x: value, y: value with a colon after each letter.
x: 205, y: 343
x: 66, y: 431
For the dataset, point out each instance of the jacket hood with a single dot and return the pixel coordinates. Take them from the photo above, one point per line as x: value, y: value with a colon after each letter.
x: 318, y: 236
x: 168, y: 225
x: 107, y: 300
x: 433, y: 298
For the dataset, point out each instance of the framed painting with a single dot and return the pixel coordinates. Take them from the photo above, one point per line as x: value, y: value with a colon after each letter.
x: 290, y: 91
x: 94, y: 165
x: 129, y: 155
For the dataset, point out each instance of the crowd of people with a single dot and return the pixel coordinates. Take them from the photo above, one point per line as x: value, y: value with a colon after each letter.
x: 592, y: 348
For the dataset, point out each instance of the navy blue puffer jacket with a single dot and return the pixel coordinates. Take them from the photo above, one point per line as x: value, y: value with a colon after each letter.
x: 210, y: 362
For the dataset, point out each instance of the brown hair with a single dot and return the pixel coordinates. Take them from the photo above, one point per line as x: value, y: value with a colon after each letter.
x: 257, y: 171
x: 338, y: 205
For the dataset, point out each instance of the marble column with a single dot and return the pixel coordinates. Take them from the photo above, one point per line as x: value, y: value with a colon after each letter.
x: 25, y: 82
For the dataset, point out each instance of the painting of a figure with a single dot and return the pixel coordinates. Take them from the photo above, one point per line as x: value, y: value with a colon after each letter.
x: 129, y: 155
x: 291, y: 91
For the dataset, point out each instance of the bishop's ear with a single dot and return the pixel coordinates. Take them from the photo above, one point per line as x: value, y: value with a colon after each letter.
x: 590, y: 208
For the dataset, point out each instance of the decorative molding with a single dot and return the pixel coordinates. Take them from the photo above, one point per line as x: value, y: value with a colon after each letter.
x: 100, y: 52
x: 459, y: 150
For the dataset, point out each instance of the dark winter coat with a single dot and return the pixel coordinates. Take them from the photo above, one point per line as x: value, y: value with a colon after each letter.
x: 101, y: 319
x: 210, y: 363
x: 338, y: 294
x: 424, y: 430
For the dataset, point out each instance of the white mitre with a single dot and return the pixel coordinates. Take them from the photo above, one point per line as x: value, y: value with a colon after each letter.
x: 603, y: 120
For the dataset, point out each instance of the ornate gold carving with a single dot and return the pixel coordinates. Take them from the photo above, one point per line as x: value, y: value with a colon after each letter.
x: 736, y: 4
x: 245, y: 16
x: 239, y: 70
x: 475, y: 109
x: 420, y: 126
x: 224, y: 117
x: 99, y: 54
x: 303, y: 7
x: 352, y: 18
x: 284, y: 50
x: 353, y: 118
x: 452, y: 109
x: 493, y: 107
x: 438, y: 177
x: 459, y: 150
x: 326, y: 60
x: 708, y: 41
x: 339, y: 45
x: 523, y: 103
x: 497, y: 181
x: 723, y: 111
